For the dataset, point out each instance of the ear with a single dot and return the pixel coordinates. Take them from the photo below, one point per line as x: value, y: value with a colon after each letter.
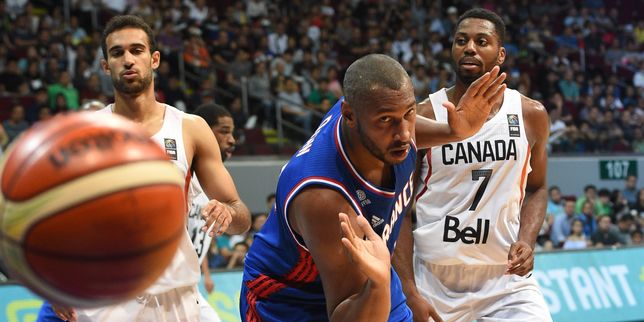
x: 348, y: 113
x: 501, y: 59
x: 105, y: 67
x: 156, y: 59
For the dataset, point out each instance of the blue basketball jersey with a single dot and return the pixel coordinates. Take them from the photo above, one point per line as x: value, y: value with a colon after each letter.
x: 281, y: 281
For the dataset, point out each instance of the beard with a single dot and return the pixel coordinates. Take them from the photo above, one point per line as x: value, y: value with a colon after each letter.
x: 373, y: 147
x: 132, y: 87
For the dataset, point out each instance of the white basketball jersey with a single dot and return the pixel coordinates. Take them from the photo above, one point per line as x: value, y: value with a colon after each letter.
x: 200, y: 239
x: 184, y: 269
x: 470, y: 192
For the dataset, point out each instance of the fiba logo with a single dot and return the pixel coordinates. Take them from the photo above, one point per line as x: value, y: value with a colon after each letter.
x: 362, y: 196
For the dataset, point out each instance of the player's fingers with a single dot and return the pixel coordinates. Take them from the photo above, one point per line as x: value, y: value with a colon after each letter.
x: 494, y: 86
x: 366, y: 228
x: 348, y: 245
x: 347, y: 229
x: 215, y: 208
x: 475, y: 87
x: 224, y: 226
x: 434, y: 315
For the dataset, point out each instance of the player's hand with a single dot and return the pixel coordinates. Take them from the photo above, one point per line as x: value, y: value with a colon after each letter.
x: 208, y: 283
x: 371, y: 254
x: 218, y: 217
x: 64, y: 313
x: 421, y: 309
x: 474, y: 107
x: 520, y: 259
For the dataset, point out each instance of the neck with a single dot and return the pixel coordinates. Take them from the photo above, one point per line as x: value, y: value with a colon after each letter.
x: 368, y: 166
x: 136, y: 107
x: 456, y: 92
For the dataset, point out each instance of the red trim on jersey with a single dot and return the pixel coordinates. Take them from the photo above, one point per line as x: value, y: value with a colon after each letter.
x: 428, y: 155
x: 264, y: 286
x: 523, y: 174
x: 352, y: 170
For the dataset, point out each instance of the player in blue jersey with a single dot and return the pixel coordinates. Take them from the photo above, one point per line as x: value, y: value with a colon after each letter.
x: 360, y: 163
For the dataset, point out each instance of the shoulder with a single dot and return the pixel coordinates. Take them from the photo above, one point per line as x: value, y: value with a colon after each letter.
x: 426, y: 109
x: 536, y: 119
x: 193, y: 122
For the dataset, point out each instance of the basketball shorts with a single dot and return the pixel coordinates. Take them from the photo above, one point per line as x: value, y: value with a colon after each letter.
x: 480, y: 292
x: 206, y: 312
x: 176, y: 305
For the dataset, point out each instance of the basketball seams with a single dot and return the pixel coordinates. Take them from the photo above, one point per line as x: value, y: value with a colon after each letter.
x: 39, y: 134
x: 81, y: 189
x: 102, y: 257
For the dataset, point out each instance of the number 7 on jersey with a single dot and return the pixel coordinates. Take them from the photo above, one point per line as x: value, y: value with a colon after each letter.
x: 476, y: 175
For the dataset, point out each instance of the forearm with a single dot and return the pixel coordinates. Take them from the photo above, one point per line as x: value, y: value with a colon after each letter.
x: 205, y: 270
x: 533, y: 213
x: 431, y: 133
x: 372, y: 303
x: 240, y: 217
x: 402, y: 260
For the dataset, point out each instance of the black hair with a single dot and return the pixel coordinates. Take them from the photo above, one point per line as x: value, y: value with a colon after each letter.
x: 127, y: 21
x: 211, y: 113
x: 370, y: 73
x: 480, y: 13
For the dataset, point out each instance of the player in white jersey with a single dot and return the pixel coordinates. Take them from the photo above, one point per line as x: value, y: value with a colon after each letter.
x: 222, y: 125
x: 128, y: 47
x: 480, y: 202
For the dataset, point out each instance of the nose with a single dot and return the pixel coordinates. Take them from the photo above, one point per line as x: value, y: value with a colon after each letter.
x: 231, y: 139
x: 403, y: 132
x: 470, y: 49
x: 128, y: 59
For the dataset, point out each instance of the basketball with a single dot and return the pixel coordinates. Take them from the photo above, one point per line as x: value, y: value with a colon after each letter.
x: 91, y: 210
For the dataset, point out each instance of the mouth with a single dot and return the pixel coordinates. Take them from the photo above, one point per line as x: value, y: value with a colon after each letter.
x: 130, y: 74
x: 469, y: 63
x: 400, y: 152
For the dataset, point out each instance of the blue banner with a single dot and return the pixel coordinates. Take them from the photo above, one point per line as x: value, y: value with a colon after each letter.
x: 589, y: 285
x: 18, y: 304
x: 594, y: 285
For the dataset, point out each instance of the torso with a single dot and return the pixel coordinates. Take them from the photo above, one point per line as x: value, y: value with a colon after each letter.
x: 184, y: 269
x: 460, y: 219
x: 279, y: 255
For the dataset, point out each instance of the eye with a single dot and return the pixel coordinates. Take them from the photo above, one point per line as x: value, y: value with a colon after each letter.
x: 385, y: 119
x: 483, y: 42
x: 460, y: 41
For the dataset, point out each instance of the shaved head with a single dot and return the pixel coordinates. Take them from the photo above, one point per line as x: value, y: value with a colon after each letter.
x: 369, y: 74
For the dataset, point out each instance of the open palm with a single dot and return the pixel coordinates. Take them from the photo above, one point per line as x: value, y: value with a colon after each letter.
x: 472, y: 110
x: 371, y: 255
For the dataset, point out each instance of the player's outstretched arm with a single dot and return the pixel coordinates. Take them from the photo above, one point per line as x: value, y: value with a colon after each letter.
x: 533, y: 211
x: 356, y: 279
x: 225, y: 212
x: 402, y: 260
x: 468, y: 116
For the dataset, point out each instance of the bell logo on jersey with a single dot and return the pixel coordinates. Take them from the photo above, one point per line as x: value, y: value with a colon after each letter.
x: 469, y: 235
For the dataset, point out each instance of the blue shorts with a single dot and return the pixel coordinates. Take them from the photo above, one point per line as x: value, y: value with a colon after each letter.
x: 46, y: 314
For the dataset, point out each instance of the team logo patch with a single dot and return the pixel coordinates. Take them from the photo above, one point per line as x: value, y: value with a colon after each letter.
x: 376, y: 221
x: 170, y: 148
x: 363, y: 198
x: 513, y: 125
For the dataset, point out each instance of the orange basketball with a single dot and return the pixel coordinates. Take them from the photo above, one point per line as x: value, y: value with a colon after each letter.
x: 91, y: 210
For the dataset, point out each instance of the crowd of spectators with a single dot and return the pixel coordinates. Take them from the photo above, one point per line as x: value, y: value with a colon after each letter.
x: 597, y: 219
x: 582, y: 58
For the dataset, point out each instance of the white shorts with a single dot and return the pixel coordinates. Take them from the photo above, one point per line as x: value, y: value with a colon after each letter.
x: 176, y: 305
x: 206, y: 311
x: 480, y: 292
